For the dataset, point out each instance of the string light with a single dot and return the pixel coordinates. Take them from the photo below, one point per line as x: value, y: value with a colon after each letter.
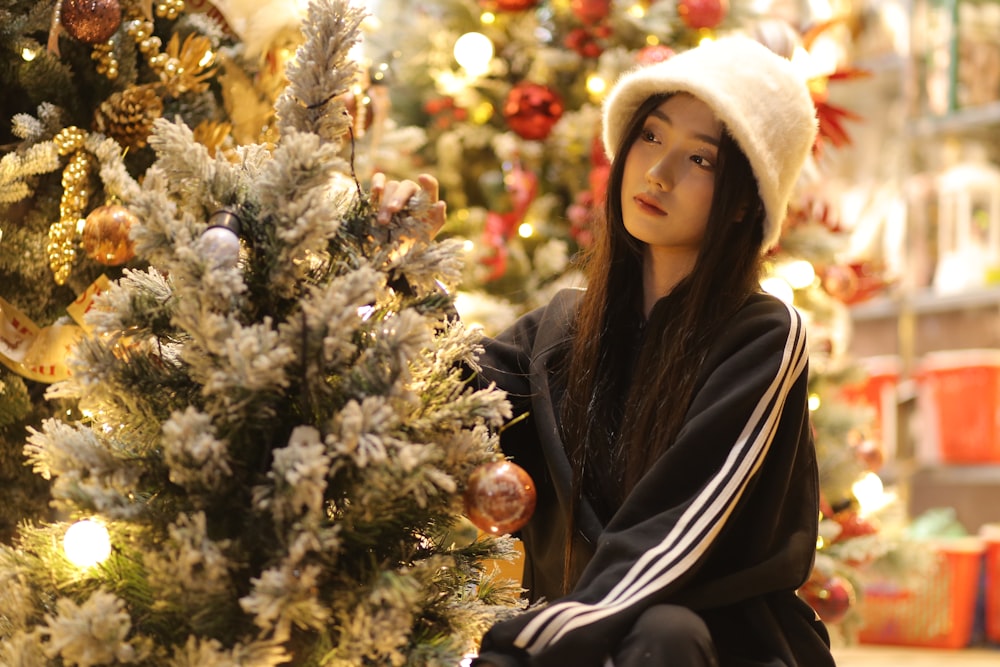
x: 481, y: 113
x: 778, y: 287
x: 474, y: 51
x: 798, y: 273
x: 28, y: 54
x: 596, y: 85
x: 87, y: 543
x: 871, y: 494
x: 525, y: 230
x: 636, y: 11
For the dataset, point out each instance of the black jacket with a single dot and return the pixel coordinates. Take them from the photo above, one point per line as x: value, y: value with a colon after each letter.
x: 725, y: 522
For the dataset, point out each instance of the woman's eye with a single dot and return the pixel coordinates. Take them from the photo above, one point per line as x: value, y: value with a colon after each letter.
x: 701, y: 160
x: 647, y: 135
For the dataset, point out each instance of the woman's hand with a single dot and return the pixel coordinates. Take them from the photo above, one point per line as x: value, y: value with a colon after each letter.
x: 392, y: 197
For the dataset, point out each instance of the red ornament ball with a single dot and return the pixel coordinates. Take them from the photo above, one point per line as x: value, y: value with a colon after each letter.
x: 591, y: 11
x: 702, y: 13
x: 106, y: 234
x: 508, y: 5
x: 831, y: 597
x: 500, y: 497
x: 91, y: 21
x: 531, y: 110
x: 870, y: 455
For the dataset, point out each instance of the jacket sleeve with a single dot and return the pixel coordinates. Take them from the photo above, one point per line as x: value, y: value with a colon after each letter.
x: 727, y: 513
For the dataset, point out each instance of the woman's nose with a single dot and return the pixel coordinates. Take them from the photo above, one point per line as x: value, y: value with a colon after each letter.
x: 659, y: 175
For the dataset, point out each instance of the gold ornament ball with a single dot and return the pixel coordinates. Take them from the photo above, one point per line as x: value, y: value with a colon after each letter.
x: 106, y: 234
x: 500, y: 497
x: 91, y: 21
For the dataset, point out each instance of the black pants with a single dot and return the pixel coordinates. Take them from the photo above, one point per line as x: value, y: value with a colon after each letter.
x: 666, y: 636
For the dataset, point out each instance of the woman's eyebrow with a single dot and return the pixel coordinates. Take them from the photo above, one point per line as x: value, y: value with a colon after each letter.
x: 707, y: 138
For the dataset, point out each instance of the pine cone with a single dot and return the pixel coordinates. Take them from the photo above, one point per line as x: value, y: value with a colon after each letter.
x: 127, y: 116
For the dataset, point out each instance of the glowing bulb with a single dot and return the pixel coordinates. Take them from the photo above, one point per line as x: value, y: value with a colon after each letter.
x: 596, y: 85
x: 798, y: 273
x: 525, y: 230
x: 487, y: 18
x: 474, y: 51
x: 87, y: 543
x: 468, y: 246
x: 814, y: 402
x: 778, y: 287
x: 871, y: 495
x: 28, y: 54
x: 636, y: 11
x: 482, y: 113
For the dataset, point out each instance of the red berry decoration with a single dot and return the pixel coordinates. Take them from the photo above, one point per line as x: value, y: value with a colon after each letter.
x: 91, y: 21
x: 500, y: 497
x: 853, y: 525
x: 531, y: 110
x: 830, y: 597
x: 591, y: 11
x: 702, y: 13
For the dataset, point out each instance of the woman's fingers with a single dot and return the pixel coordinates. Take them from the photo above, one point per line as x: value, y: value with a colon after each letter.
x: 438, y: 211
x: 391, y: 197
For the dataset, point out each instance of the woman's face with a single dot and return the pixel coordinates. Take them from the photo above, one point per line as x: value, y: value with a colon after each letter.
x: 669, y: 177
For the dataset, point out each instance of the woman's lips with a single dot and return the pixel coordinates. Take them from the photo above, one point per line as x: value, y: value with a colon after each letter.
x: 648, y: 204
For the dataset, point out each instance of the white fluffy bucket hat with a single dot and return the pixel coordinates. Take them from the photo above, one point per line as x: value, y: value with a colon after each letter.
x: 756, y: 93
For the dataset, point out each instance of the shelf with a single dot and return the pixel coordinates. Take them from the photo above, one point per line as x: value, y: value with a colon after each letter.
x: 972, y: 491
x: 927, y: 302
x: 954, y: 473
x: 963, y: 121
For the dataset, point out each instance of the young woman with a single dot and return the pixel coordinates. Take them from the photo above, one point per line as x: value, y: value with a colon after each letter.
x: 667, y: 427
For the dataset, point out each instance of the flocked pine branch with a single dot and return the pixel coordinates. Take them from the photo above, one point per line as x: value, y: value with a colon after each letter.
x: 279, y: 428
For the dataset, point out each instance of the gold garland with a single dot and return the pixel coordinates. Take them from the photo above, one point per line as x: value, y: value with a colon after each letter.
x: 61, y: 247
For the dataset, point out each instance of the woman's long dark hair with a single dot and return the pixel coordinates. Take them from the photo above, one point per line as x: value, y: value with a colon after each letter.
x: 612, y: 441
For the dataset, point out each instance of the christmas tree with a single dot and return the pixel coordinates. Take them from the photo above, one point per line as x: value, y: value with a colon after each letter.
x: 510, y: 93
x: 278, y: 430
x: 85, y: 82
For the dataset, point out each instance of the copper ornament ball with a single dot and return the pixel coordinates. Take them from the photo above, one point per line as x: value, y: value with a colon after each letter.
x: 91, y: 21
x: 106, y: 234
x: 500, y: 497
